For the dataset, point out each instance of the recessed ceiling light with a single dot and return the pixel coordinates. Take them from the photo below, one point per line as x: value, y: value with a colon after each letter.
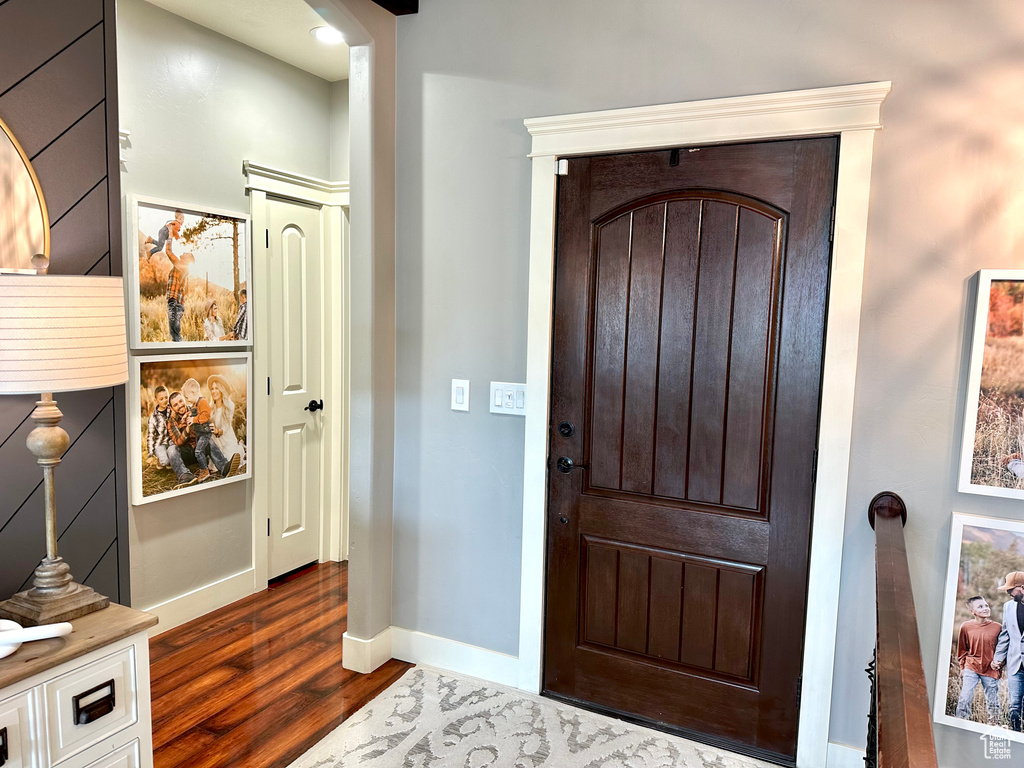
x: 328, y: 35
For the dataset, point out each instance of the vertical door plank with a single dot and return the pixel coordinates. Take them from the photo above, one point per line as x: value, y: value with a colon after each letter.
x: 711, y: 351
x: 700, y: 604
x: 602, y: 580
x: 648, y: 247
x: 682, y: 239
x: 634, y: 578
x: 666, y: 606
x: 736, y: 597
x: 755, y: 257
x: 610, y: 352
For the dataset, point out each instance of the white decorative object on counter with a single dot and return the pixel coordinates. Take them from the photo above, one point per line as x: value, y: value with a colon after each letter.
x: 12, y: 634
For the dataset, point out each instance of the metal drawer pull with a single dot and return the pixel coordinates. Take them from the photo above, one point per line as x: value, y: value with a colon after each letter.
x: 3, y: 746
x: 94, y: 710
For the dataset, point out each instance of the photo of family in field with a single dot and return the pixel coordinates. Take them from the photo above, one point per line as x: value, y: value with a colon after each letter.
x: 981, y: 663
x: 193, y: 427
x: 993, y: 449
x: 191, y: 279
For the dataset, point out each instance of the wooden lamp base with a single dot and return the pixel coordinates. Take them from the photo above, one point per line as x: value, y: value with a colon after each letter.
x: 55, y: 598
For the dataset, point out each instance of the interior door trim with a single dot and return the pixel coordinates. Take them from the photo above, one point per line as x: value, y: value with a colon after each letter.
x: 333, y: 200
x: 853, y: 113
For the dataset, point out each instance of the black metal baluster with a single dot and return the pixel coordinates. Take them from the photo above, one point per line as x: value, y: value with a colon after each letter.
x: 871, y: 758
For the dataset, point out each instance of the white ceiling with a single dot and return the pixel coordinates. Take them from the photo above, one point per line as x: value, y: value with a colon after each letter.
x: 279, y: 28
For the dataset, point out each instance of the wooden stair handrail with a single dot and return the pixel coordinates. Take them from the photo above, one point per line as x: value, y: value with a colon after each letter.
x: 905, y: 737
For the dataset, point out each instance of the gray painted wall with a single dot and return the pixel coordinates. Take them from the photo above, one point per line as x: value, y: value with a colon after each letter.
x: 198, y: 104
x: 338, y: 103
x: 946, y: 201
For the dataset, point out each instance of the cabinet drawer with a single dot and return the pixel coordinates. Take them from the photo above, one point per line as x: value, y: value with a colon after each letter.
x: 91, y: 703
x: 17, y: 734
x: 125, y: 757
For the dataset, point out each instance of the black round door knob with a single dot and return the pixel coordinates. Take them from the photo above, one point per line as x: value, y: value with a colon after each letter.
x: 314, y: 406
x: 563, y: 519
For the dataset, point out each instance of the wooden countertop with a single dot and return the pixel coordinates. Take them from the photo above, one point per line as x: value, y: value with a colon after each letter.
x: 89, y: 632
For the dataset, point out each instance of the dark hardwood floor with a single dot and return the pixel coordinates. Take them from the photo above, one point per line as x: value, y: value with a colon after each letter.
x: 257, y: 683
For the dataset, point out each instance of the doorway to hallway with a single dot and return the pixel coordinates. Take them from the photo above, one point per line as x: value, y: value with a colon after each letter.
x: 301, y: 370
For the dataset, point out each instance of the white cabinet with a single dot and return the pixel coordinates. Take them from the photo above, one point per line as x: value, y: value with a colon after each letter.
x: 17, y: 726
x: 89, y: 711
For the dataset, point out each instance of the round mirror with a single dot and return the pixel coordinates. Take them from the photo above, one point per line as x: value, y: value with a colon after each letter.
x: 24, y: 223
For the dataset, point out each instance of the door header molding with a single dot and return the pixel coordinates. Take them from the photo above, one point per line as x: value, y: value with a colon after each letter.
x: 295, y: 186
x: 852, y: 112
x: 764, y: 116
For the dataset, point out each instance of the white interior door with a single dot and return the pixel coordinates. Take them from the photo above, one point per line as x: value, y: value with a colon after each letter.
x: 293, y: 275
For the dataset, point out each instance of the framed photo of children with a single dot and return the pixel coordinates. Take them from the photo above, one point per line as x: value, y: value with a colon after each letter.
x: 188, y: 271
x: 189, y: 427
x: 991, y: 460
x: 980, y: 682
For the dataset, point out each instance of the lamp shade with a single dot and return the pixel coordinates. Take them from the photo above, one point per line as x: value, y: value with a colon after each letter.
x: 61, y: 333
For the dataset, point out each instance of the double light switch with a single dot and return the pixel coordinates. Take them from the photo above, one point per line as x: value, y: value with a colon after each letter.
x: 508, y: 398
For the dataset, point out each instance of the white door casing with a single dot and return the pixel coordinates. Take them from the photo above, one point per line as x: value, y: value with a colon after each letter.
x: 852, y: 112
x: 326, y: 285
x: 292, y: 272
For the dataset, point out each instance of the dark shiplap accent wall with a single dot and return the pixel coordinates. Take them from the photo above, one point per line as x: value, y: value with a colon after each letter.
x: 58, y: 94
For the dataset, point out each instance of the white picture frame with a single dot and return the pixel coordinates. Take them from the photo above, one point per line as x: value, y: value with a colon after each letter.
x: 1002, y: 532
x: 199, y: 232
x: 153, y: 482
x: 993, y: 409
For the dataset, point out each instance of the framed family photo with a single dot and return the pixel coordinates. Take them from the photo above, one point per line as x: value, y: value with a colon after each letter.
x: 187, y: 276
x: 189, y: 423
x: 986, y: 567
x: 992, y: 454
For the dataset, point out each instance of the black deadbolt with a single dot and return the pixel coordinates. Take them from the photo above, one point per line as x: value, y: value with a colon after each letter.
x: 566, y: 429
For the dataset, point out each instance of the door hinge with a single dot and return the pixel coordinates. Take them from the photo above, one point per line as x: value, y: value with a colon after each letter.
x: 268, y: 238
x: 562, y: 168
x: 814, y: 467
x: 799, y: 690
x: 268, y: 526
x: 268, y: 386
x: 832, y: 226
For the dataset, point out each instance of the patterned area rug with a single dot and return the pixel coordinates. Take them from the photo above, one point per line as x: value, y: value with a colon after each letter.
x: 431, y: 719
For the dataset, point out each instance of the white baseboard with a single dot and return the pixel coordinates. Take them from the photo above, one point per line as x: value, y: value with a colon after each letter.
x: 440, y: 652
x: 202, y: 600
x: 365, y: 655
x: 842, y: 756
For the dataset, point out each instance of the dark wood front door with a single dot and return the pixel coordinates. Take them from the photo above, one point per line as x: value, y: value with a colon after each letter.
x: 690, y: 294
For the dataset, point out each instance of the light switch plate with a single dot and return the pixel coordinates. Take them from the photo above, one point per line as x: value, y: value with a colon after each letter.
x: 508, y: 398
x: 460, y: 394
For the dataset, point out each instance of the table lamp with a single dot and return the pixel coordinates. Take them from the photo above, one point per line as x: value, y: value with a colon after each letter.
x: 57, y: 334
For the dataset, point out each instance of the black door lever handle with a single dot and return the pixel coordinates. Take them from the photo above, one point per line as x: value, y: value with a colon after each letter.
x: 565, y: 465
x: 314, y: 406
